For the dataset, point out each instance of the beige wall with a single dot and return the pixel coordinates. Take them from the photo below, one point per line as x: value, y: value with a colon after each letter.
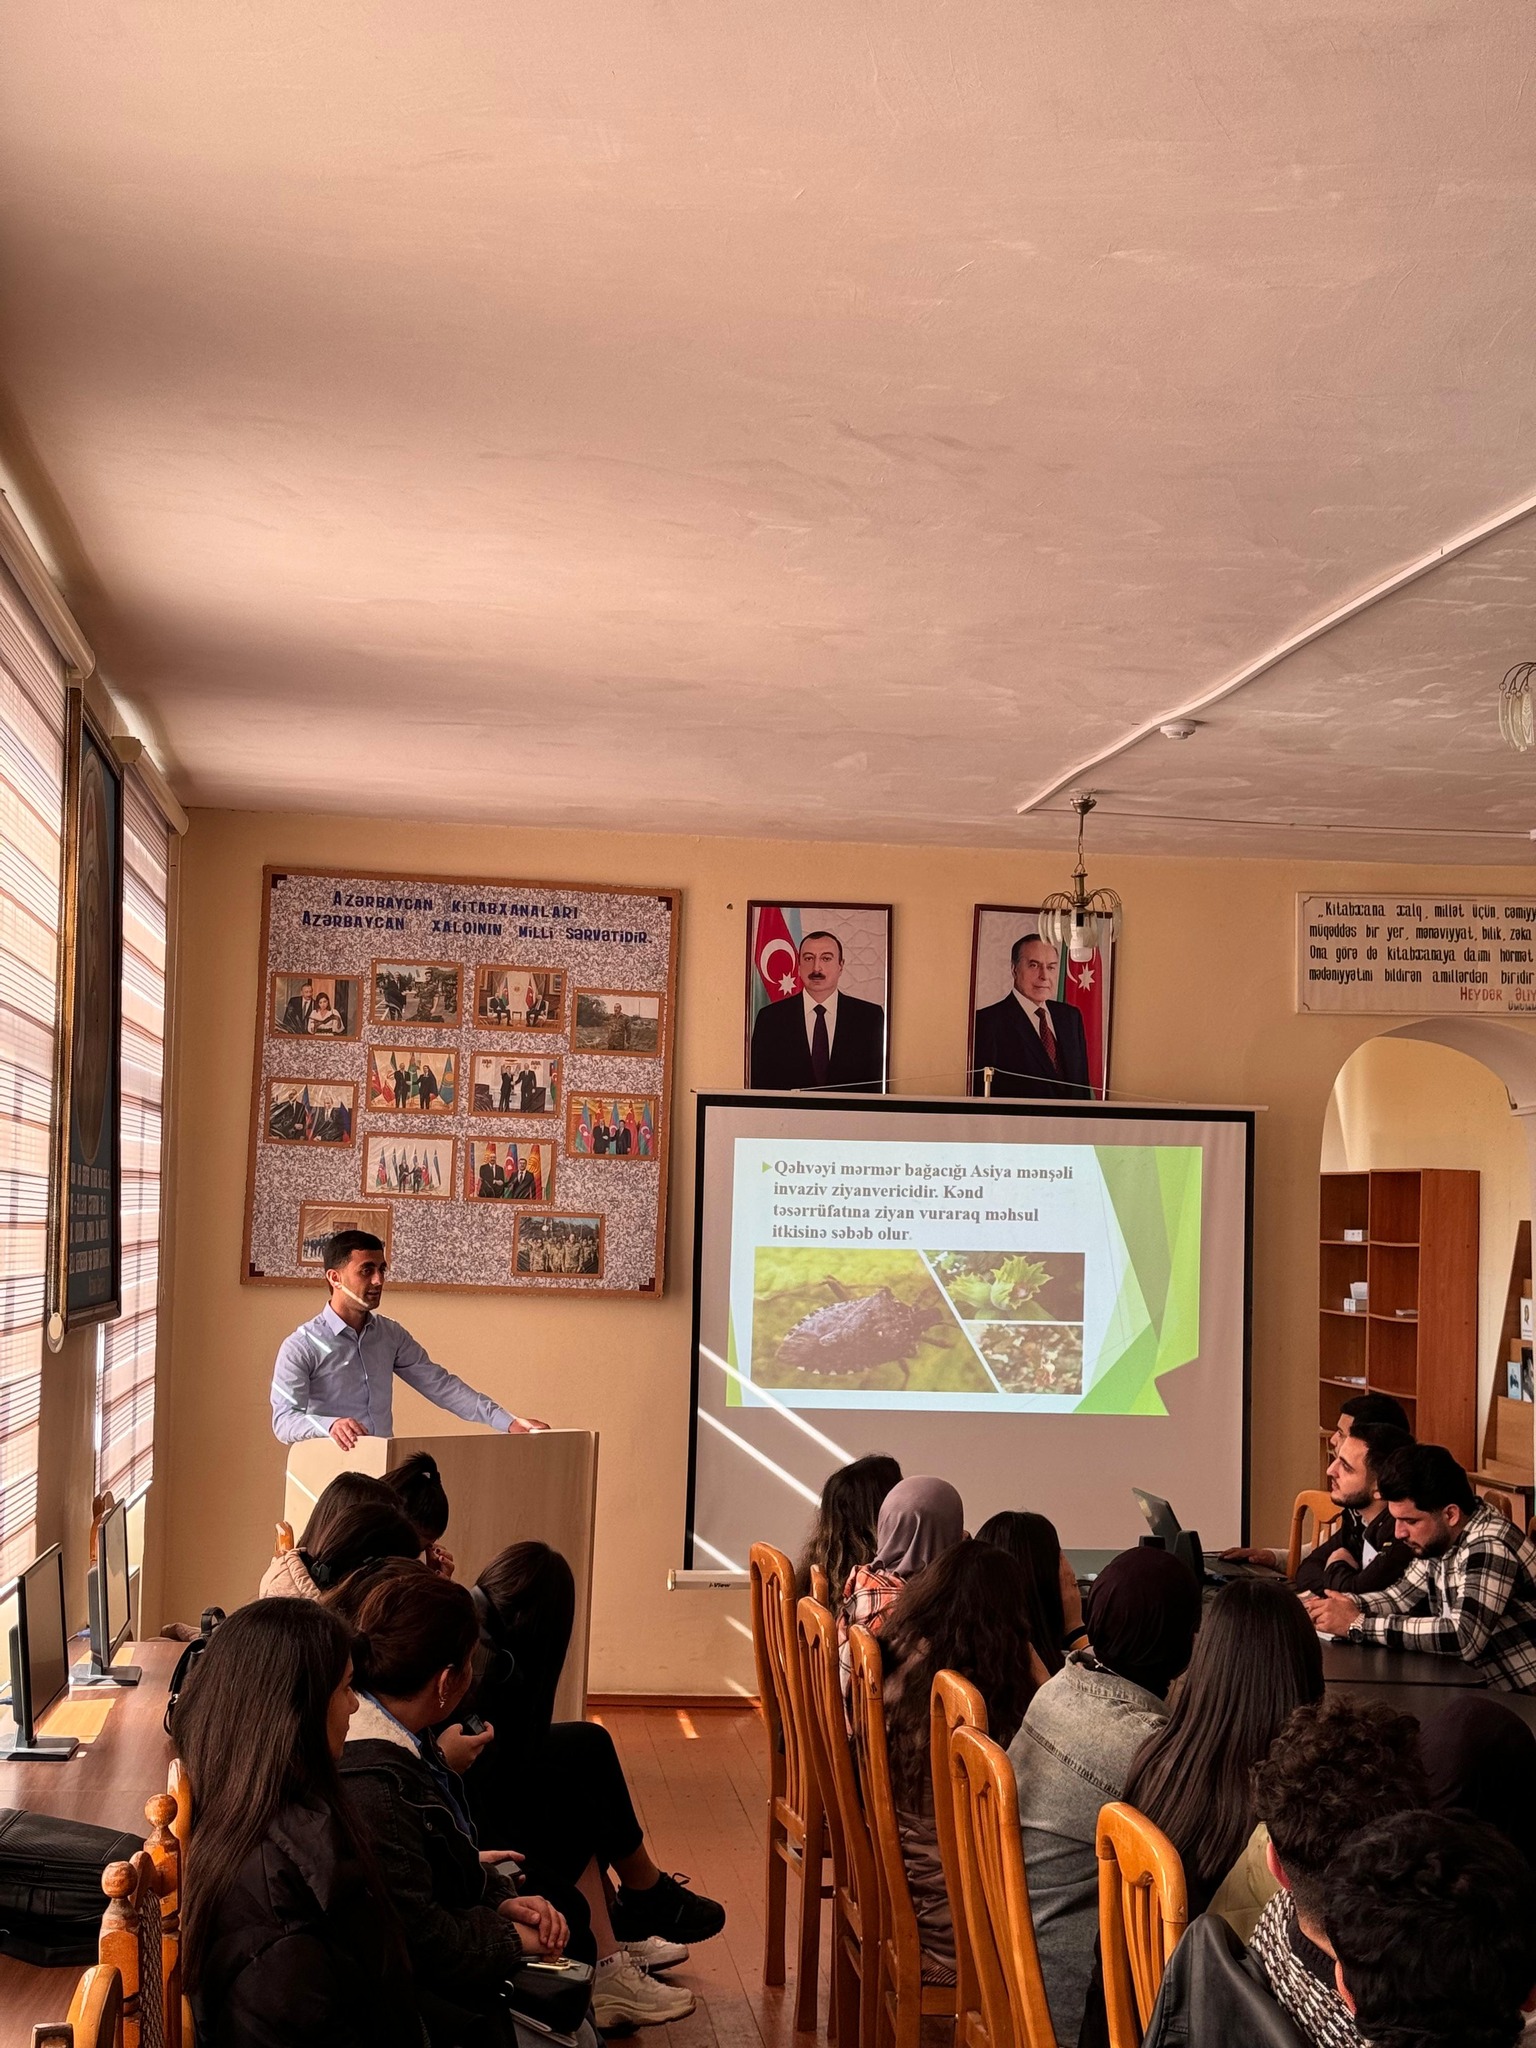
x: 1216, y: 1026
x: 1400, y: 1102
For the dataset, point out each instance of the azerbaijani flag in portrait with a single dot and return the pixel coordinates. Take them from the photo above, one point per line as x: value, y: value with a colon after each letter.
x: 775, y: 957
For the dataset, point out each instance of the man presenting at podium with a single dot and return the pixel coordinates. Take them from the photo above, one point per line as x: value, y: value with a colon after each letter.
x: 335, y: 1376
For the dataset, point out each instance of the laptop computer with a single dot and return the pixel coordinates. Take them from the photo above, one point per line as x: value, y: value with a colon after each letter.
x: 1185, y: 1543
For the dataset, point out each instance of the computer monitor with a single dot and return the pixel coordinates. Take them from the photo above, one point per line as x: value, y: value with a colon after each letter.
x: 39, y: 1659
x: 110, y: 1607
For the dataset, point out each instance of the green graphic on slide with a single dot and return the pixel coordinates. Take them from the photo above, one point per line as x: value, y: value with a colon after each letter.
x: 1155, y: 1193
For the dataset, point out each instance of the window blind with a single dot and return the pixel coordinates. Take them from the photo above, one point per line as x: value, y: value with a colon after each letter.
x: 125, y: 1378
x: 31, y: 828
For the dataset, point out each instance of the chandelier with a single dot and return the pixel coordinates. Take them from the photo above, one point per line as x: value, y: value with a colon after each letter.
x: 1086, y: 920
x: 1516, y: 720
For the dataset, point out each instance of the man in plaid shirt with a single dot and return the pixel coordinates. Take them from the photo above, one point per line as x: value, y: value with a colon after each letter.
x: 1470, y: 1591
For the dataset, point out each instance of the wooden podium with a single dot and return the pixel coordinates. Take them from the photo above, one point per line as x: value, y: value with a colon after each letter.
x: 501, y: 1489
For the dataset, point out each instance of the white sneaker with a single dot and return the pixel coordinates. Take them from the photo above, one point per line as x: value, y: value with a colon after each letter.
x: 624, y: 1996
x: 656, y: 1953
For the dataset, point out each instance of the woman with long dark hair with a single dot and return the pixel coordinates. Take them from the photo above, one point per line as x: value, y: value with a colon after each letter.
x: 288, y: 1933
x: 1256, y: 1659
x: 467, y: 1928
x: 555, y: 1791
x: 1053, y: 1604
x: 965, y: 1612
x: 843, y: 1534
x: 418, y: 1487
x: 350, y: 1536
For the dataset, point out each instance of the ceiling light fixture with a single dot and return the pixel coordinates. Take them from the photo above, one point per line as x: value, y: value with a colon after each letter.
x: 1087, y: 919
x: 1517, y: 721
x: 1179, y: 729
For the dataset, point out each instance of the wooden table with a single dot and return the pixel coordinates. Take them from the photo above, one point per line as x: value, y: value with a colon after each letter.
x: 120, y: 1764
x: 1412, y: 1681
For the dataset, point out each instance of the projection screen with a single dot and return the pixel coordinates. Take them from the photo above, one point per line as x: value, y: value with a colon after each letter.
x: 1045, y: 1304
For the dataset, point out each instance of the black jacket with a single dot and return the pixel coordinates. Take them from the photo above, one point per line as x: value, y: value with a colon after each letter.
x: 1335, y: 1567
x: 298, y: 1955
x: 781, y: 1051
x: 462, y: 1950
x: 1214, y: 1995
x: 1005, y: 1039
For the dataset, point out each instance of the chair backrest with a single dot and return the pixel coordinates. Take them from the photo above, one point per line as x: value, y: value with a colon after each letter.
x: 993, y: 1881
x: 131, y: 1943
x: 777, y: 1648
x: 1320, y: 1506
x: 179, y: 1786
x: 853, y: 1854
x: 164, y: 1849
x: 820, y: 1590
x: 898, y: 1921
x: 102, y: 1506
x: 1497, y: 1498
x: 284, y: 1538
x: 954, y: 1703
x: 1143, y: 1911
x: 95, y: 2013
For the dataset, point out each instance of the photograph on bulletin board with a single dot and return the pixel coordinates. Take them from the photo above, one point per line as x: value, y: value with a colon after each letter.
x: 818, y: 996
x: 486, y: 1062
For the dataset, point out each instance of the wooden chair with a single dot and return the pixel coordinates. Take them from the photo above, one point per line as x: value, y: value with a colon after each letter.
x: 131, y: 1943
x: 1497, y: 1499
x: 284, y: 1538
x: 905, y: 2000
x: 820, y: 1590
x: 956, y: 1703
x: 1320, y: 1506
x: 1014, y: 2009
x: 95, y: 2014
x: 855, y: 1893
x: 1143, y: 1911
x: 796, y: 1821
x: 164, y: 1848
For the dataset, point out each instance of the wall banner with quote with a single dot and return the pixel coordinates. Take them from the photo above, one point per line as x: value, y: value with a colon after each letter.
x: 1474, y: 955
x: 477, y: 1071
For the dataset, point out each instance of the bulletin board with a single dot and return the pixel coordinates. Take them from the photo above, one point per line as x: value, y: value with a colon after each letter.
x: 477, y: 1071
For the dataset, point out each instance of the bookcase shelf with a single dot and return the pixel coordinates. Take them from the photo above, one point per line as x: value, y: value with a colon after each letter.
x: 1416, y: 1253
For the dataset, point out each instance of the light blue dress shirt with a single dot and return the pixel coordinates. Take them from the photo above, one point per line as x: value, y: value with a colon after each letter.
x: 326, y: 1370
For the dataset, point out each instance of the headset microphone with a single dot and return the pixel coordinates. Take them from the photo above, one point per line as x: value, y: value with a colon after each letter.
x: 342, y: 1288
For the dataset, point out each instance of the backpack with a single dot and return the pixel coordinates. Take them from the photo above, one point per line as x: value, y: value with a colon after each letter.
x: 51, y: 1901
x: 211, y: 1617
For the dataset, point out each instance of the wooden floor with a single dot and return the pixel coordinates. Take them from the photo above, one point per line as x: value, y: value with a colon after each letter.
x: 699, y: 1782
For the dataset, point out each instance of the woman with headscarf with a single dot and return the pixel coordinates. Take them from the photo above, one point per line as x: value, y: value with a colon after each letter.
x: 1480, y: 1760
x: 1075, y: 1749
x: 919, y: 1520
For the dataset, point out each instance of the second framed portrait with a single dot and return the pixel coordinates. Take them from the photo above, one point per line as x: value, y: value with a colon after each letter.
x: 1039, y: 1021
x: 818, y: 996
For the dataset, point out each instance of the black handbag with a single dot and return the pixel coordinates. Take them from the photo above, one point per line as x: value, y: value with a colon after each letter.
x: 211, y: 1618
x: 51, y: 1900
x: 551, y: 1995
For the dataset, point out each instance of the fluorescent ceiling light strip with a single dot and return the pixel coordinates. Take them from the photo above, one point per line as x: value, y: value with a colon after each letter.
x: 789, y: 1415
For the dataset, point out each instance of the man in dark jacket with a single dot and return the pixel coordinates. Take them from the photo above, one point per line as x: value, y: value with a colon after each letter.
x: 1361, y: 1553
x: 820, y: 1037
x: 1035, y: 1045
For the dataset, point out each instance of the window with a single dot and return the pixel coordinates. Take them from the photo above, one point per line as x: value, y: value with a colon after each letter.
x: 125, y: 1375
x: 31, y: 825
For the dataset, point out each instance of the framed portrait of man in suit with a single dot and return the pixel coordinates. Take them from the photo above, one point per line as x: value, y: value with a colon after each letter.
x: 1039, y: 1020
x: 818, y: 997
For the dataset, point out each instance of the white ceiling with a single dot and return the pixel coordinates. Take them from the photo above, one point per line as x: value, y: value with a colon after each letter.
x: 822, y: 419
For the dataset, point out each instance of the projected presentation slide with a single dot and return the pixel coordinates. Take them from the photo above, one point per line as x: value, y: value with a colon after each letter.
x: 1051, y: 1301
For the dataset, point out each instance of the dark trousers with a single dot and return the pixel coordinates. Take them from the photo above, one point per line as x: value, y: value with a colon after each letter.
x: 563, y: 1805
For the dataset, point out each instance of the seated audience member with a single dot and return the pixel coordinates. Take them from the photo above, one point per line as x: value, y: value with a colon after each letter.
x: 1365, y: 1411
x: 1334, y: 1768
x: 965, y: 1613
x: 1480, y: 1763
x: 556, y: 1792
x: 418, y: 1486
x: 467, y: 1928
x: 288, y: 1930
x: 1256, y: 1659
x: 351, y: 1537
x: 843, y: 1534
x: 1213, y: 1995
x: 1470, y: 1589
x: 1075, y: 1750
x: 919, y: 1520
x: 1053, y: 1604
x: 1432, y: 1922
x: 1364, y: 1553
